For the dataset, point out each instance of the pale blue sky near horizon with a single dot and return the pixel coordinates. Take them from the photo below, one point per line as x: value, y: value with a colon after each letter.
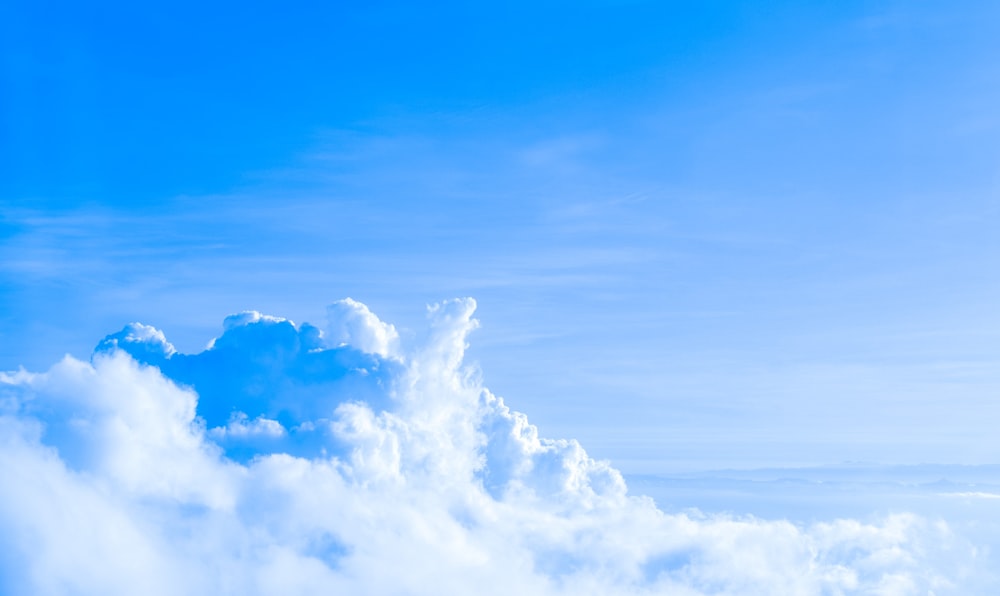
x: 700, y: 234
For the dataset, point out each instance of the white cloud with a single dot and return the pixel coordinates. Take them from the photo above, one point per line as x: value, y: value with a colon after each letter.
x: 136, y: 337
x: 240, y: 426
x: 412, y: 478
x: 247, y: 317
x: 351, y: 323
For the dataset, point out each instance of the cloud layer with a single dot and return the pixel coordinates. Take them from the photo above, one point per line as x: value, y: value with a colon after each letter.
x: 288, y: 460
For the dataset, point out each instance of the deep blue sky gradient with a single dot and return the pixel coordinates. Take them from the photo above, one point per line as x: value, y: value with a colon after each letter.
x: 704, y: 233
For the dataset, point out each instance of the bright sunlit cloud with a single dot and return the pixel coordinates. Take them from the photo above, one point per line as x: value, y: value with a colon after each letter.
x: 282, y: 459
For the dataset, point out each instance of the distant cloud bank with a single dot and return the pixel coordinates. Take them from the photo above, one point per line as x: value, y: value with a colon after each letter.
x: 290, y: 459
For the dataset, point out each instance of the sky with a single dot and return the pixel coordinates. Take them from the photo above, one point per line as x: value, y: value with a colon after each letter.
x: 719, y: 244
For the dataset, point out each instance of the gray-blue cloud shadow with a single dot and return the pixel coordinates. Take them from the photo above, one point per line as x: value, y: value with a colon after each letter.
x: 267, y: 368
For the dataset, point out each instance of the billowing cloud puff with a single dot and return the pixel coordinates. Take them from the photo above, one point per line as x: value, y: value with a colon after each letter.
x: 351, y: 323
x: 282, y: 460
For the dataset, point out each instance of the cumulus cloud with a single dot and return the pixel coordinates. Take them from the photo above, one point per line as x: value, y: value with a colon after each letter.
x: 351, y: 323
x: 282, y: 460
x: 241, y: 427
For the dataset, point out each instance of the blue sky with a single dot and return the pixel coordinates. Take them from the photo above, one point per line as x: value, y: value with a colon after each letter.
x: 762, y: 233
x: 750, y: 237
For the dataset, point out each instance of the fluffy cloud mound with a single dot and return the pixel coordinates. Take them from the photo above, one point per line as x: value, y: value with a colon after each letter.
x: 351, y: 323
x: 285, y: 460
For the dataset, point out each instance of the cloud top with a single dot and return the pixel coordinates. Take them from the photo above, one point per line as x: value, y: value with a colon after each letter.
x: 286, y: 460
x: 351, y: 323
